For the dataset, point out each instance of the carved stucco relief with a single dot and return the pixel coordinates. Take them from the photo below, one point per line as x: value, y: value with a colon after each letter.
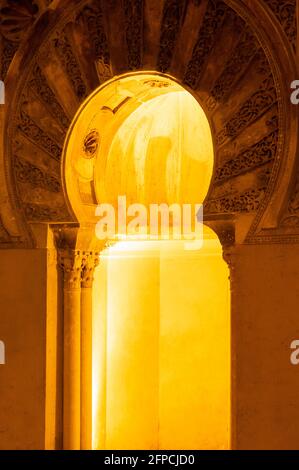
x: 252, y: 100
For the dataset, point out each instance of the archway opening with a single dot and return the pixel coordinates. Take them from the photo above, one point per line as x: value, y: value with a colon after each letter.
x: 161, y: 369
x: 161, y: 339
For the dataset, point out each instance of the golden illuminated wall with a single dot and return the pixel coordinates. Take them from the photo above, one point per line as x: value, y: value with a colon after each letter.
x: 166, y: 358
x: 161, y: 153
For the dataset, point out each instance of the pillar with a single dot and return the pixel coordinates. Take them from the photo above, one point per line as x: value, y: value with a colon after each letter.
x: 71, y: 262
x: 229, y: 258
x: 91, y: 261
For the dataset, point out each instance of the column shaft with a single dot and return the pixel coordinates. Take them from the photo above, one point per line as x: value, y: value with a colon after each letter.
x: 86, y: 368
x: 71, y: 263
x: 91, y: 261
x: 71, y: 370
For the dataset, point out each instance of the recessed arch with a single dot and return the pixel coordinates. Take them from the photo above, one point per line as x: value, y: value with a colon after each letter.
x: 164, y: 124
x: 145, y: 137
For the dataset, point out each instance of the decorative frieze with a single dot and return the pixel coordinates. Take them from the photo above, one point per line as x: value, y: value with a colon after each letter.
x: 94, y: 20
x: 133, y: 12
x: 241, y: 57
x: 285, y: 12
x: 253, y: 108
x: 71, y: 65
x: 27, y: 173
x: 207, y: 35
x: 43, y: 213
x: 247, y: 201
x: 291, y: 219
x: 9, y: 49
x: 39, y: 85
x: 37, y: 136
x: 172, y: 19
x: 259, y: 154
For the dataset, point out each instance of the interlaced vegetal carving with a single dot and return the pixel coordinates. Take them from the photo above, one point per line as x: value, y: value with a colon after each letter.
x: 71, y: 66
x: 253, y: 108
x: 93, y: 17
x: 241, y: 57
x: 173, y: 14
x: 285, y: 12
x: 26, y: 172
x: 39, y: 85
x: 291, y: 218
x: 43, y: 213
x: 37, y: 136
x: 207, y: 34
x: 9, y: 49
x: 247, y: 201
x: 262, y: 152
x: 133, y: 11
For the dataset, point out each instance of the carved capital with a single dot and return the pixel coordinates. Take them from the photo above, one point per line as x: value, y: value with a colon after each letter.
x: 91, y: 261
x: 229, y: 256
x: 78, y: 267
x: 72, y: 263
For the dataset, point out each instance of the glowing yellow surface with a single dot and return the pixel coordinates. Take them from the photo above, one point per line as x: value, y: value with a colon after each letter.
x: 167, y: 366
x: 161, y: 153
x: 161, y: 314
x: 154, y: 145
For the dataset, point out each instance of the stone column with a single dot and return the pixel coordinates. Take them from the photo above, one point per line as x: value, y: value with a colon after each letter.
x: 229, y: 258
x: 91, y: 261
x: 71, y: 262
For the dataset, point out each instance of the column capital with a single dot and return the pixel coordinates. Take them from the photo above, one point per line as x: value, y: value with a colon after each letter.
x: 71, y: 262
x: 91, y: 261
x: 78, y: 267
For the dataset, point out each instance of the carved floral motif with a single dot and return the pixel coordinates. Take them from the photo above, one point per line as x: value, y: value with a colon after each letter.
x: 285, y: 12
x: 94, y: 20
x: 207, y: 34
x: 262, y: 152
x: 78, y: 267
x: 241, y: 57
x: 252, y: 109
x: 173, y: 13
x: 71, y: 262
x: 71, y: 66
x: 133, y: 11
x: 26, y: 172
x: 37, y: 136
x: 247, y: 201
x: 9, y: 49
x: 39, y: 85
x: 44, y: 213
x: 90, y: 263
